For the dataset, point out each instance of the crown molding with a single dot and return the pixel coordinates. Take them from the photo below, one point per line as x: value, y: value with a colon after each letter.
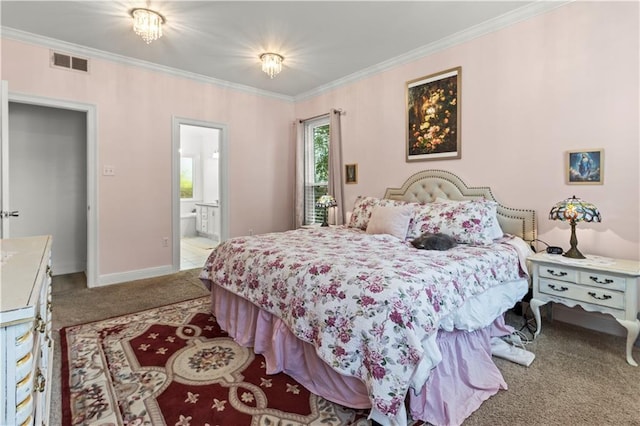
x: 531, y: 10
x: 88, y: 52
x: 536, y: 8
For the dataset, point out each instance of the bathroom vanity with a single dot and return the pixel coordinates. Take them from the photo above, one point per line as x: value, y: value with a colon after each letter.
x: 208, y: 220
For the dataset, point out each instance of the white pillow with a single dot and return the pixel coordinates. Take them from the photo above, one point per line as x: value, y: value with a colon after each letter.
x: 392, y: 220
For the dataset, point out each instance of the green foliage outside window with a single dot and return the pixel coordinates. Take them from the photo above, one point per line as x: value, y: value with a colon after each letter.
x: 186, y: 177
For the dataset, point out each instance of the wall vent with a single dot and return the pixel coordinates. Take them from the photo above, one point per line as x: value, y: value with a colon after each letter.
x: 62, y: 60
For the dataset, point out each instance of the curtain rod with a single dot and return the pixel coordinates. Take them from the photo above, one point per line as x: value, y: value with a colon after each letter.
x: 335, y: 111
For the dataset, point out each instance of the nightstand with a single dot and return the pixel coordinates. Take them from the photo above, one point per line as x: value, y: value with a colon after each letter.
x: 597, y: 284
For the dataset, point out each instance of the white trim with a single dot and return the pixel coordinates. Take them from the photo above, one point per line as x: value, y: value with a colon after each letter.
x: 89, y: 53
x: 223, y: 187
x: 139, y: 274
x: 523, y: 13
x: 92, y: 167
x: 520, y: 14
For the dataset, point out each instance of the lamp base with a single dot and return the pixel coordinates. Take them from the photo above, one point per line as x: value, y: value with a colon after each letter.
x: 574, y: 253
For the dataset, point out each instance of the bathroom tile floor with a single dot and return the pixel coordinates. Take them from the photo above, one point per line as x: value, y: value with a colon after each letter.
x: 194, y: 252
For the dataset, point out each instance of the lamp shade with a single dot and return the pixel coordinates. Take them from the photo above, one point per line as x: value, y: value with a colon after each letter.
x: 575, y: 210
x: 326, y: 201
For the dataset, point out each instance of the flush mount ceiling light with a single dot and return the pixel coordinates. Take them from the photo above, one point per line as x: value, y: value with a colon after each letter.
x: 147, y: 24
x: 271, y: 63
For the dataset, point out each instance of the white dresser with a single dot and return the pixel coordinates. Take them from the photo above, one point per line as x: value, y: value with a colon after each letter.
x: 26, y: 344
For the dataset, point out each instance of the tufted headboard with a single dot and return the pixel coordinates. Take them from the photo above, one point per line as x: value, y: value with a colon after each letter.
x: 426, y: 186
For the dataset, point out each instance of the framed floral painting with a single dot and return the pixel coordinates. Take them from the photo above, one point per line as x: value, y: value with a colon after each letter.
x: 585, y: 167
x: 433, y: 116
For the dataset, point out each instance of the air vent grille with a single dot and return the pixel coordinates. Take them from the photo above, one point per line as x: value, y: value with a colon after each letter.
x: 62, y: 60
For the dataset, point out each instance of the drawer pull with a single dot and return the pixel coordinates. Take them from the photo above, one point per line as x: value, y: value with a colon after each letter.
x: 27, y: 422
x: 605, y: 281
x: 556, y: 274
x: 24, y: 403
x: 49, y: 270
x: 24, y: 380
x: 604, y: 297
x: 49, y: 306
x: 24, y: 359
x: 20, y: 340
x: 41, y: 325
x: 553, y: 287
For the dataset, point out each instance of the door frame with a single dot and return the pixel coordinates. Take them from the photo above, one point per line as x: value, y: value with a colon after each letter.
x: 92, y: 160
x: 175, y: 181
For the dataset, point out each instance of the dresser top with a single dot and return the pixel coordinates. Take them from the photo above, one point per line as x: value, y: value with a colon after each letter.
x: 20, y: 263
x: 622, y: 266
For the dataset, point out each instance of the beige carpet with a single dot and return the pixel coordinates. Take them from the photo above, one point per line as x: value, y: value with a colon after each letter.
x: 579, y: 377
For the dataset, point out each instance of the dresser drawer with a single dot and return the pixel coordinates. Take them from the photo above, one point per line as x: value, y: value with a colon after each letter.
x: 604, y: 281
x: 580, y: 293
x: 558, y: 273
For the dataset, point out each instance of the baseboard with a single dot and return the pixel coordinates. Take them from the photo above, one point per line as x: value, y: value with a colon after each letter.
x: 591, y: 320
x: 69, y: 268
x: 139, y: 274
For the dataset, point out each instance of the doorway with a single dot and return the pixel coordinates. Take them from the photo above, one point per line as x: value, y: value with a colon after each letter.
x: 199, y: 196
x: 84, y: 241
x: 48, y: 180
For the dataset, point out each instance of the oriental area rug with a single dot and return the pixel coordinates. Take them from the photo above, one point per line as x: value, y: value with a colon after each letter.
x: 173, y: 365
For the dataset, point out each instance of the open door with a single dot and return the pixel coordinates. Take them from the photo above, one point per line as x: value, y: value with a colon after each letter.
x: 5, y: 209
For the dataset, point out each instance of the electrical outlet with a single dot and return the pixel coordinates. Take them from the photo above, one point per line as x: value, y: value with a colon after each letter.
x: 108, y: 171
x: 165, y: 241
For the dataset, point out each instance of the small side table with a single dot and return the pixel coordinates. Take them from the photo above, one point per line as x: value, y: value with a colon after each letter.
x: 597, y: 284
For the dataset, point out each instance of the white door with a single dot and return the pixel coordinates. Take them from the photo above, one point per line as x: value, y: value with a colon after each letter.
x: 5, y: 208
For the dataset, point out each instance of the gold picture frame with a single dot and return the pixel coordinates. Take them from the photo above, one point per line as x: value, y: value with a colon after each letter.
x: 350, y: 173
x: 433, y: 116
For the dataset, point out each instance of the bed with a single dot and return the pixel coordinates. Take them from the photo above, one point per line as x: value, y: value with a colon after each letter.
x: 359, y: 316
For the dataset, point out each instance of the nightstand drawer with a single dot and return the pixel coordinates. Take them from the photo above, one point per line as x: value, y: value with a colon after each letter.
x: 596, y: 296
x: 604, y: 281
x: 558, y: 273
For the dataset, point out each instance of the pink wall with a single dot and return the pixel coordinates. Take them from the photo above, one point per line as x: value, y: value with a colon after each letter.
x: 134, y: 113
x: 565, y: 80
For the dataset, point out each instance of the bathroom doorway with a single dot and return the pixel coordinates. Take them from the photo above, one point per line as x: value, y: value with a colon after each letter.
x: 198, y: 178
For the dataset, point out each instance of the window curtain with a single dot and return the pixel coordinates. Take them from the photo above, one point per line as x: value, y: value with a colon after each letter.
x: 298, y: 196
x: 336, y: 182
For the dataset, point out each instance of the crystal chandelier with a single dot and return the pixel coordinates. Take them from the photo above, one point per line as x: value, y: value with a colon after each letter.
x: 147, y: 24
x: 271, y: 63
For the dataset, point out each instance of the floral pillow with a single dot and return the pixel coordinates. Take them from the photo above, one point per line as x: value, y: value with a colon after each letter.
x: 469, y: 222
x: 363, y: 207
x: 495, y: 231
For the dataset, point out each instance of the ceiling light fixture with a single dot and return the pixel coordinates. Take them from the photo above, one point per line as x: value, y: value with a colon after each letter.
x: 271, y: 63
x: 147, y: 24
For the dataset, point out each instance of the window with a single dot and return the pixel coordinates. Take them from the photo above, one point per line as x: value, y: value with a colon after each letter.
x: 186, y: 177
x: 316, y: 167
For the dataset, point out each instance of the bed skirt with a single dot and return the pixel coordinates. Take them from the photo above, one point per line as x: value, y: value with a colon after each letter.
x: 456, y: 387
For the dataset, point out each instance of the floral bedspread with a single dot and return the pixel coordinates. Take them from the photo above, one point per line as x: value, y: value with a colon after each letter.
x: 366, y: 302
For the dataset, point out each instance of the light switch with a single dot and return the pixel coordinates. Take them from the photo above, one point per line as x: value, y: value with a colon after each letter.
x: 108, y: 171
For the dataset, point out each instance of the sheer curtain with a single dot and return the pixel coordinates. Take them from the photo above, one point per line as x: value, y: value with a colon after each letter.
x: 298, y: 196
x: 336, y: 182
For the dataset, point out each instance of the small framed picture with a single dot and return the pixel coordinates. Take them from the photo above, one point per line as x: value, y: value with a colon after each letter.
x: 351, y: 173
x: 585, y: 167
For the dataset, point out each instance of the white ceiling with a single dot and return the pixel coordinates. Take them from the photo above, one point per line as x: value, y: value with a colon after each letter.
x: 323, y: 42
